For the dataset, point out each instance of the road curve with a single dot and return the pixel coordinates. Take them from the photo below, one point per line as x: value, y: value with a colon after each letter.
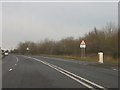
x: 20, y: 71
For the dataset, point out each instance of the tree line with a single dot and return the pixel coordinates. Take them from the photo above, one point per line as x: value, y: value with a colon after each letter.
x: 104, y: 39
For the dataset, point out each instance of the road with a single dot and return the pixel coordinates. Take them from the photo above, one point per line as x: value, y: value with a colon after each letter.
x: 19, y: 71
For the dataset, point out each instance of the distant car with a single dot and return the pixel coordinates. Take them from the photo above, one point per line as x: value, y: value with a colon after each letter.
x: 6, y: 53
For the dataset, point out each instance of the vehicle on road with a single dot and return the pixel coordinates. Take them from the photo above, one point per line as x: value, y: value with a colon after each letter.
x: 6, y: 53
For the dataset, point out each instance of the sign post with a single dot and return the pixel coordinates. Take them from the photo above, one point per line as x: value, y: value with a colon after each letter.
x: 83, y: 47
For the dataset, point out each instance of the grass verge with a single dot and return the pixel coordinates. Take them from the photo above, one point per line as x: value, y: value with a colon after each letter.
x: 107, y: 60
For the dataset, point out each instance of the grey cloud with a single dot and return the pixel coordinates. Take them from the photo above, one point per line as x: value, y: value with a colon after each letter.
x: 37, y: 21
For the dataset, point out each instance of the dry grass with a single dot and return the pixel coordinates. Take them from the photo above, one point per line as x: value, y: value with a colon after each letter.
x: 107, y: 59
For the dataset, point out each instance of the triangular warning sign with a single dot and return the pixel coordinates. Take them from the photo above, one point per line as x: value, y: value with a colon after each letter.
x: 82, y: 42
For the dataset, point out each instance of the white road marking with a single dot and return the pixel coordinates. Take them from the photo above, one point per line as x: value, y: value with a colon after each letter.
x: 14, y: 64
x: 67, y: 73
x: 71, y: 77
x: 16, y: 58
x: 10, y: 69
x: 48, y: 64
x: 78, y: 76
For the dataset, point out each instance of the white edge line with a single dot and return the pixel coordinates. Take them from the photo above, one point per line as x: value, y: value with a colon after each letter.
x: 80, y: 77
x: 70, y: 73
x: 48, y: 64
x: 70, y: 76
x: 63, y: 1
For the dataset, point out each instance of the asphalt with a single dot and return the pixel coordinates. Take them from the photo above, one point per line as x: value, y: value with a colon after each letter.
x: 24, y: 72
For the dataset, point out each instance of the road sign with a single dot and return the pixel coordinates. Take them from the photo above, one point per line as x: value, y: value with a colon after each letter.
x: 82, y: 47
x: 82, y: 44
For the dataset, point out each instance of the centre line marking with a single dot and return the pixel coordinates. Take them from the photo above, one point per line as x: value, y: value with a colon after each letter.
x: 14, y: 64
x: 70, y: 75
x: 16, y: 58
x: 10, y: 69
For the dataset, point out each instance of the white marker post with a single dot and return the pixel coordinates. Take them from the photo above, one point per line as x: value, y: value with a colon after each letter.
x: 27, y: 50
x: 82, y: 47
x: 100, y: 57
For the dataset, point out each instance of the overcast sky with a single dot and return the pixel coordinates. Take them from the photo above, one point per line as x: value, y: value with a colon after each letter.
x: 37, y: 21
